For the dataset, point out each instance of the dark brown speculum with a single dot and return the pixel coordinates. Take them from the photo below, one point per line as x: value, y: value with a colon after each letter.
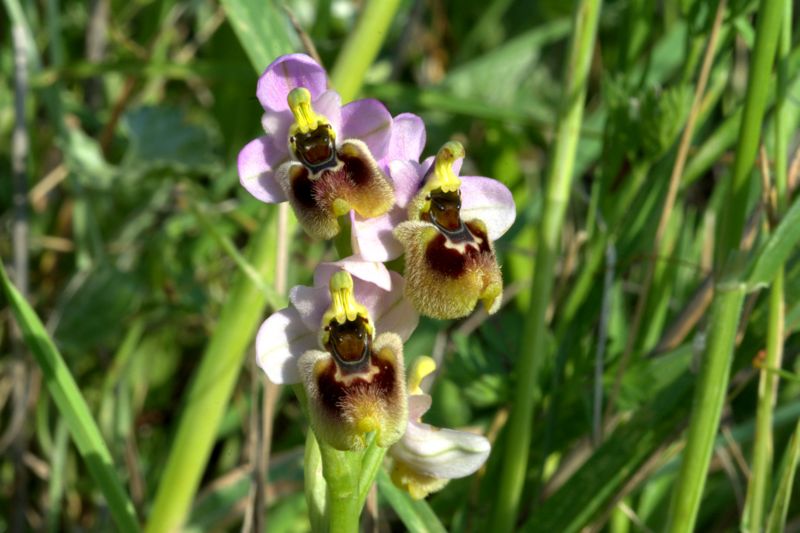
x: 316, y: 149
x: 350, y: 344
x: 445, y: 214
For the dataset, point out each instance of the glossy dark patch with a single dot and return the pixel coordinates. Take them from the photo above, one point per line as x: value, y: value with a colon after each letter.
x: 333, y: 393
x: 316, y: 149
x: 445, y: 211
x: 302, y: 186
x: 350, y: 343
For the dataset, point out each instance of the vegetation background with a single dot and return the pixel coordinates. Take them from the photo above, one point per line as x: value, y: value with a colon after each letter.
x: 125, y: 228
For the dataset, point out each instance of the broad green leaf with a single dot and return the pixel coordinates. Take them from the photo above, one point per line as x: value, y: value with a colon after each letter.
x: 416, y: 515
x: 261, y: 28
x: 73, y: 408
x: 776, y: 250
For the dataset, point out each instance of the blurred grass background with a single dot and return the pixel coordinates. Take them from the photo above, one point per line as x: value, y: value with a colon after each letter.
x: 135, y: 112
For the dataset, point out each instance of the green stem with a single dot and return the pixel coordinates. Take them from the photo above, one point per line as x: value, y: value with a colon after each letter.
x: 72, y: 406
x: 758, y: 486
x: 735, y: 211
x: 341, y: 471
x: 362, y: 47
x: 711, y: 389
x: 532, y: 349
x: 370, y: 464
x: 707, y: 407
x: 212, y: 388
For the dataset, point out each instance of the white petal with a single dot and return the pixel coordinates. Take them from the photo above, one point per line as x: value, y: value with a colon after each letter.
x: 442, y: 453
x: 281, y: 340
x: 310, y: 304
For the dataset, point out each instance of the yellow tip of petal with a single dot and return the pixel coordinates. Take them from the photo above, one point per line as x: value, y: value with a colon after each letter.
x: 443, y: 175
x: 423, y: 366
x: 305, y: 119
x: 344, y: 306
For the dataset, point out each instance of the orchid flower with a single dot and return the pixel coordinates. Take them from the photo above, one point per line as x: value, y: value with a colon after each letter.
x: 426, y: 457
x: 319, y: 155
x: 447, y: 225
x: 343, y: 339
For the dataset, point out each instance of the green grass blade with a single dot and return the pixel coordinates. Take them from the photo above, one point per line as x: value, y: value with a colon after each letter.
x: 72, y: 407
x: 776, y: 522
x: 362, y: 47
x: 532, y: 349
x: 416, y: 515
x: 776, y: 250
x: 707, y: 407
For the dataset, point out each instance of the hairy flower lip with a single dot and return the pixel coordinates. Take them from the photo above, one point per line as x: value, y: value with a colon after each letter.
x: 287, y: 334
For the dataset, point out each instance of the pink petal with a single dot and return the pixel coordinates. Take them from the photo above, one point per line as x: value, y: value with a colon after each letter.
x: 407, y: 178
x: 329, y: 105
x: 487, y: 200
x: 280, y: 342
x: 372, y: 238
x: 369, y: 271
x: 393, y: 312
x: 310, y: 303
x: 257, y: 162
x: 369, y: 121
x: 286, y: 73
x: 408, y: 138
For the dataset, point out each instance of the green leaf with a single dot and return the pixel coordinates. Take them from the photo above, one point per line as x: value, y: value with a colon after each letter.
x: 416, y: 515
x: 161, y: 137
x: 776, y: 521
x: 776, y: 250
x: 261, y: 29
x: 72, y: 407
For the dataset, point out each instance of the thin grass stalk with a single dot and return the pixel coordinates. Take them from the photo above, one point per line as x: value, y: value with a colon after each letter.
x: 73, y: 408
x: 763, y: 450
x: 758, y: 84
x: 714, y: 373
x: 362, y: 47
x: 212, y: 388
x: 532, y: 349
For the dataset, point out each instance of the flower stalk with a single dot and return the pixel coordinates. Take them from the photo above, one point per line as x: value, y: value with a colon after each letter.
x: 532, y: 349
